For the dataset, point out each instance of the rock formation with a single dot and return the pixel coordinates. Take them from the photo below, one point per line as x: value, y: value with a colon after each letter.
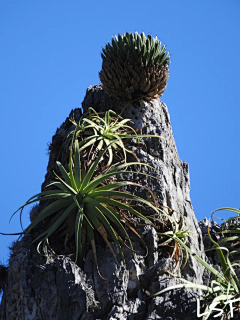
x: 43, y: 288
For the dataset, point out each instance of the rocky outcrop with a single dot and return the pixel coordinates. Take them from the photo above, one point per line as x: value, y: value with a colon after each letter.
x: 42, y: 288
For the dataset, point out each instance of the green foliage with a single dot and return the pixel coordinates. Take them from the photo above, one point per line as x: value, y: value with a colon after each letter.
x: 225, y: 287
x: 109, y: 130
x: 87, y: 204
x: 174, y: 223
x: 138, y: 48
x: 231, y: 232
x: 80, y: 203
x: 103, y: 131
x: 135, y: 67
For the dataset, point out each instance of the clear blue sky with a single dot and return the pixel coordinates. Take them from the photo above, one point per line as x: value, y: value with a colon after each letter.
x: 50, y: 54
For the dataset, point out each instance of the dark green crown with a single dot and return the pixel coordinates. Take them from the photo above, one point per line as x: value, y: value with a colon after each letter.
x: 135, y: 67
x: 139, y: 48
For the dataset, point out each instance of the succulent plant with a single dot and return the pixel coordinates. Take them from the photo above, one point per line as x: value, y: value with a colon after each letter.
x: 135, y: 67
x: 81, y: 204
x: 110, y: 129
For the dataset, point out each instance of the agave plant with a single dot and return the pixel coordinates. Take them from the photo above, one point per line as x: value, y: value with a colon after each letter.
x: 81, y: 205
x: 109, y: 130
x: 224, y: 290
x: 135, y: 67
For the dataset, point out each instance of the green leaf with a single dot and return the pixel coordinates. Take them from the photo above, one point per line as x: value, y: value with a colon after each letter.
x: 89, y: 143
x: 113, y: 215
x: 183, y: 285
x: 120, y: 195
x: 119, y: 204
x: 91, y: 170
x: 114, y: 185
x: 205, y: 264
x: 228, y: 209
x: 61, y: 219
x: 223, y: 262
x: 77, y: 166
x: 115, y: 171
x: 59, y: 185
x: 71, y: 189
x: 107, y: 119
x: 46, y: 195
x: 64, y: 173
x: 100, y: 145
x: 47, y: 211
x: 110, y: 230
x: 78, y: 232
x: 110, y: 152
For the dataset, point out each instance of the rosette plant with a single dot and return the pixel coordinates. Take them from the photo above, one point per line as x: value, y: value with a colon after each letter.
x: 81, y: 205
x: 135, y: 67
x: 109, y: 130
x: 173, y: 229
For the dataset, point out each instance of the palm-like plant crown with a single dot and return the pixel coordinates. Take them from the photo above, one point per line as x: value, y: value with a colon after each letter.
x: 135, y: 67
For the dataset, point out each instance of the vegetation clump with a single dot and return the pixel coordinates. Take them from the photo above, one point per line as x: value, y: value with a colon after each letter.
x: 221, y: 296
x: 135, y: 67
x: 83, y: 201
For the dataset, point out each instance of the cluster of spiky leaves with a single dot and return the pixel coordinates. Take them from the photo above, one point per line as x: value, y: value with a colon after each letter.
x: 173, y: 228
x: 82, y: 204
x: 109, y: 130
x: 135, y: 67
x: 138, y: 48
x: 79, y: 203
x: 225, y: 289
x: 230, y: 231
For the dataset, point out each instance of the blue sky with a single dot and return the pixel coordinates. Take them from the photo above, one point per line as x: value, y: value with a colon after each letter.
x: 50, y: 54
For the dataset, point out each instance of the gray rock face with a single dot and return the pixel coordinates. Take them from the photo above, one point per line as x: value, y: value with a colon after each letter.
x: 41, y: 289
x: 172, y: 189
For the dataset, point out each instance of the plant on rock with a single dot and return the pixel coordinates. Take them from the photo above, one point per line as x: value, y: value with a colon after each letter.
x: 109, y: 130
x: 135, y: 67
x: 83, y: 204
x: 223, y: 291
x: 173, y: 228
x: 230, y: 232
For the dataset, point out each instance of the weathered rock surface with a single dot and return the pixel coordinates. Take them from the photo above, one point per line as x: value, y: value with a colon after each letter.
x: 41, y: 289
x: 44, y: 289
